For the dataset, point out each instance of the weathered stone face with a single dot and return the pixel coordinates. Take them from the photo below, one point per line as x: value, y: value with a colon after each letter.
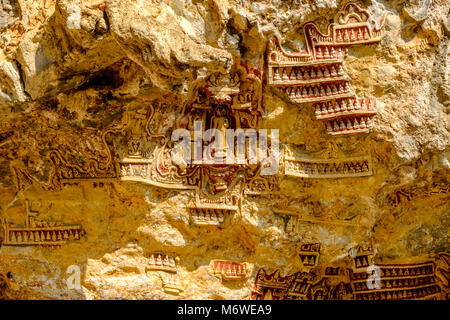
x: 346, y: 197
x: 9, y: 13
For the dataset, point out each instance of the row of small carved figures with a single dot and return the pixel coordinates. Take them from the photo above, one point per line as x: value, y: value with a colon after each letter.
x: 200, y: 215
x: 323, y: 168
x: 395, y: 272
x: 397, y: 283
x: 329, y: 52
x: 164, y: 260
x: 304, y: 73
x: 320, y: 90
x: 20, y: 236
x: 344, y: 105
x: 399, y: 294
x: 343, y: 34
x: 357, y: 123
x: 231, y: 269
x: 361, y: 261
x: 353, y: 34
x: 134, y: 169
x: 326, y: 53
x: 308, y: 260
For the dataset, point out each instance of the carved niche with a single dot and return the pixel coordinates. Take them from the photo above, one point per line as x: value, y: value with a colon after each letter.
x: 231, y: 101
x: 316, y: 75
x: 228, y: 270
x: 165, y: 266
x: 328, y: 168
x: 159, y: 261
x: 309, y: 254
x: 219, y: 101
x: 362, y: 257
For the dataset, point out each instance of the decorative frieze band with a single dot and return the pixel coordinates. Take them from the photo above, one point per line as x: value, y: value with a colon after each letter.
x: 328, y: 168
x: 397, y: 282
x: 38, y: 233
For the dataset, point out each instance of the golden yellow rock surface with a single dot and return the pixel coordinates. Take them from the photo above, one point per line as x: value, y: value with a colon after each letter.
x: 92, y: 206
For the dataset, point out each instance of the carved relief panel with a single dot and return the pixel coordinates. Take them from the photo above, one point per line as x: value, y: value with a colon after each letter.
x: 159, y: 261
x: 38, y: 232
x: 395, y: 282
x: 229, y: 270
x: 309, y: 254
x: 166, y: 268
x: 140, y: 149
x: 407, y: 281
x: 316, y: 75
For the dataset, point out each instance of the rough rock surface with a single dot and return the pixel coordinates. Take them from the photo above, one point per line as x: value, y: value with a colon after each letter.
x: 70, y: 72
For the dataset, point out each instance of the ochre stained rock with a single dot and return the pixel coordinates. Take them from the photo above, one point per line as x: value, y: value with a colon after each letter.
x: 339, y: 188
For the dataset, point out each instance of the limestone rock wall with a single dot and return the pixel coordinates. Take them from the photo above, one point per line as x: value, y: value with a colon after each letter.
x: 90, y: 89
